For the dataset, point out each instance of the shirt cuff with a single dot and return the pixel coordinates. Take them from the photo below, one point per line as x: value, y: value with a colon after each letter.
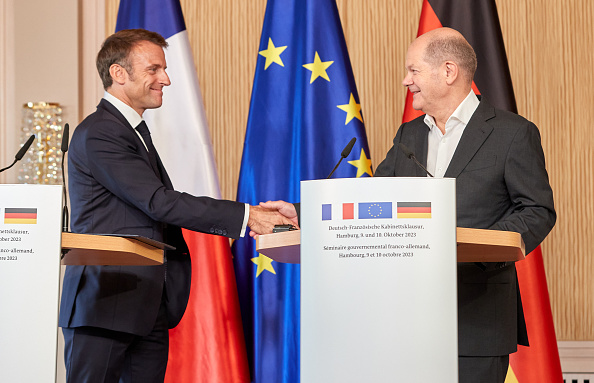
x: 246, y: 216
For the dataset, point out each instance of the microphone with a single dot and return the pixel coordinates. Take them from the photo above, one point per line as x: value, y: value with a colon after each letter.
x: 24, y: 149
x: 345, y: 153
x: 20, y: 153
x: 65, y: 138
x: 411, y: 155
x: 64, y: 148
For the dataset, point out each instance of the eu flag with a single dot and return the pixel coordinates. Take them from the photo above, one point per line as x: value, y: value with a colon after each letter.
x: 304, y: 109
x: 369, y: 210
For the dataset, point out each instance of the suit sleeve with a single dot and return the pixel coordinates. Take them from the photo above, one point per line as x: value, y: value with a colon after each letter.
x: 532, y: 212
x: 117, y: 163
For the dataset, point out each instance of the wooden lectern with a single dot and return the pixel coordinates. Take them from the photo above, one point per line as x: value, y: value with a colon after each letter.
x: 89, y: 249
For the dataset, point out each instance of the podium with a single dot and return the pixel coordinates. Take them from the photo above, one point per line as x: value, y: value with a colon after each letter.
x: 378, y: 277
x: 31, y: 241
x: 93, y: 249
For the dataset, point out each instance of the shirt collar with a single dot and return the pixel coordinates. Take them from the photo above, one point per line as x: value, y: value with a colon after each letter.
x: 463, y: 112
x: 129, y: 114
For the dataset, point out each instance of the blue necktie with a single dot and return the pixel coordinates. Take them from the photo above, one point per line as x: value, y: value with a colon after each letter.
x: 152, y: 152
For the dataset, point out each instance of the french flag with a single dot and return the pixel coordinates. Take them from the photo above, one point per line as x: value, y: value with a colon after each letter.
x: 208, y: 344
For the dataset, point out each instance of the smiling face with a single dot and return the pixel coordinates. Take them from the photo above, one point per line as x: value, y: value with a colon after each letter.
x: 423, y: 80
x: 142, y: 87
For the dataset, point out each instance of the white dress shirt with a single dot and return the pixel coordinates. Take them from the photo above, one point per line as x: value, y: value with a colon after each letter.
x: 441, y: 147
x: 133, y: 118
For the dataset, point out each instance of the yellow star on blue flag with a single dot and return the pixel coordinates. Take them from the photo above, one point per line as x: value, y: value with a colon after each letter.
x: 353, y: 110
x: 272, y: 54
x: 264, y: 263
x: 363, y: 165
x: 318, y: 68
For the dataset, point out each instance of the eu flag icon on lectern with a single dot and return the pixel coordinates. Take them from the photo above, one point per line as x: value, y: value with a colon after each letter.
x: 370, y: 210
x: 304, y: 109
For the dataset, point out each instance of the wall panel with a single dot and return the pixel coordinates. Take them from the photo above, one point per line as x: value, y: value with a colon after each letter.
x: 552, y: 72
x: 548, y: 45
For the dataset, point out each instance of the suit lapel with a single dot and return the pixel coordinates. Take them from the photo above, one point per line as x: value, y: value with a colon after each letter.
x: 475, y: 134
x: 103, y: 104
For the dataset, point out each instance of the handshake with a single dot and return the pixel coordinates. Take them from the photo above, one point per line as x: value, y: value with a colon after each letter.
x: 265, y: 216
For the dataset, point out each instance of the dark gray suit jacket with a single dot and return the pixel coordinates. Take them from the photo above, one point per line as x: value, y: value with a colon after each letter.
x: 501, y: 184
x: 113, y: 189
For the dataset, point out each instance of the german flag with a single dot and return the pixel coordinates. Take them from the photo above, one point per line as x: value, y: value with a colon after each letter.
x: 20, y: 215
x: 413, y: 210
x: 478, y: 21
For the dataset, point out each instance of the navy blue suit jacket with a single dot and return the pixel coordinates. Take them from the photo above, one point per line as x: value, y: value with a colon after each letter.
x: 501, y: 184
x: 114, y: 190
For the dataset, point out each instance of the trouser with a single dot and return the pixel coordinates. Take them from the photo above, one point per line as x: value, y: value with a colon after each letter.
x: 492, y: 369
x: 96, y: 355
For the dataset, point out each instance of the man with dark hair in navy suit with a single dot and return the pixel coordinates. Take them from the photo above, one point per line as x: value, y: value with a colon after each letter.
x: 115, y: 319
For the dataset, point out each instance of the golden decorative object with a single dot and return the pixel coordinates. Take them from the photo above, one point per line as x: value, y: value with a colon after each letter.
x: 42, y: 164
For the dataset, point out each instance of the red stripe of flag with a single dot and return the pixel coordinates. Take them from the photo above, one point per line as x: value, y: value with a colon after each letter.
x: 348, y: 211
x: 414, y: 210
x: 20, y: 216
x: 208, y: 345
x: 539, y: 362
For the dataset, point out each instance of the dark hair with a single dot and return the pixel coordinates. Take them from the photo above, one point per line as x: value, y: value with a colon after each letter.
x: 117, y: 47
x: 453, y: 48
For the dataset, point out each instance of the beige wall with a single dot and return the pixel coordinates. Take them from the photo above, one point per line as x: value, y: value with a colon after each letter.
x: 46, y: 54
x: 552, y: 64
x: 39, y: 63
x: 552, y: 69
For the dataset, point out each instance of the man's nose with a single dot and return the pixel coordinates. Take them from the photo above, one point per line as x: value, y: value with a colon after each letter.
x: 407, y: 80
x: 165, y: 79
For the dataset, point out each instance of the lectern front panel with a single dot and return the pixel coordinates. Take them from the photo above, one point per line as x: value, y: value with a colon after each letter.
x: 378, y: 280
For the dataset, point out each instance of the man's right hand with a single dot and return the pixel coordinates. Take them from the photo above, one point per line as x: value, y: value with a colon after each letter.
x: 263, y: 218
x: 285, y: 208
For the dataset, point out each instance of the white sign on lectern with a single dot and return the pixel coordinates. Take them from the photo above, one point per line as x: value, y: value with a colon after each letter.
x: 378, y: 280
x: 30, y: 235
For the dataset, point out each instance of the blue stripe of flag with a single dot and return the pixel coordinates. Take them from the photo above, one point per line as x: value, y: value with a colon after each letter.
x: 162, y: 16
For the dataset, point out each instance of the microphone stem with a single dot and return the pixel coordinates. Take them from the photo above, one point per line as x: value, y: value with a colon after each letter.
x: 421, y: 165
x: 65, y: 220
x: 8, y: 167
x: 332, y: 172
x: 65, y: 210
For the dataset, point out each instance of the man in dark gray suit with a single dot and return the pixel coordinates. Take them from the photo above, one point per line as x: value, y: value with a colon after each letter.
x: 501, y: 184
x: 115, y: 319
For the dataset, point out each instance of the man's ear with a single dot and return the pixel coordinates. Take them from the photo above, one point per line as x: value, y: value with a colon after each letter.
x: 118, y: 73
x: 451, y: 72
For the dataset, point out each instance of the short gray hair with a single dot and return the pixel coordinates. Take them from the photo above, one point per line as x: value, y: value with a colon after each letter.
x: 452, y: 48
